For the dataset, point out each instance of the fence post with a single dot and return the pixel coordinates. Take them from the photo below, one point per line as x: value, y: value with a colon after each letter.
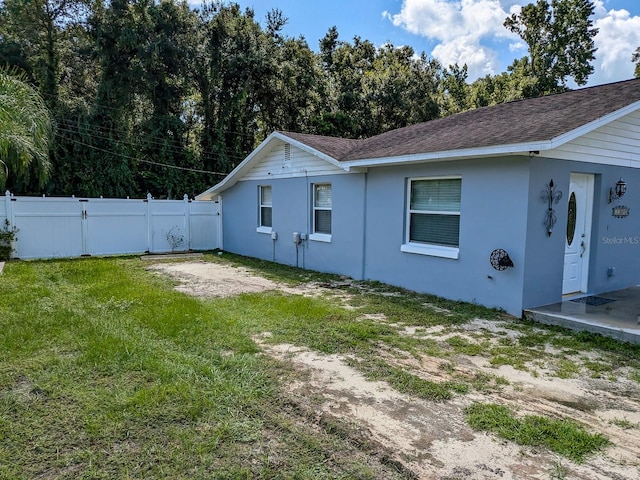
x: 9, y: 208
x: 187, y: 219
x: 149, y: 222
x: 7, y: 203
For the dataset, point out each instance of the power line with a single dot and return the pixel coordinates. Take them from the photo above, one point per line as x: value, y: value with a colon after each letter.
x: 170, y: 148
x: 90, y: 106
x: 72, y: 127
x: 166, y: 165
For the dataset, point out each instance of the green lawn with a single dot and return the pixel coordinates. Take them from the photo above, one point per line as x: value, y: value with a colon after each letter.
x: 106, y: 372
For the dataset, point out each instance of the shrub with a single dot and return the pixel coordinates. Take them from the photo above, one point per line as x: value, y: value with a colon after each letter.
x: 7, y: 237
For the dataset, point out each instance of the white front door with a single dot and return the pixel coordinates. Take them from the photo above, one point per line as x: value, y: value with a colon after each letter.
x: 578, y: 235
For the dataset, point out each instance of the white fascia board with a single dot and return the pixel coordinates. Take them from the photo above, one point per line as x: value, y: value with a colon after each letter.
x: 501, y: 150
x: 236, y: 174
x: 498, y: 150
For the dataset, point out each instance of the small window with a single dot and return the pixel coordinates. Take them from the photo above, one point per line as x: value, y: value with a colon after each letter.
x: 433, y: 217
x: 322, y: 208
x: 266, y: 205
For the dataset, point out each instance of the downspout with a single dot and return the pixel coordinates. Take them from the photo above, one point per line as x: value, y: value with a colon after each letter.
x: 364, y: 226
x: 305, y: 245
x: 220, y: 226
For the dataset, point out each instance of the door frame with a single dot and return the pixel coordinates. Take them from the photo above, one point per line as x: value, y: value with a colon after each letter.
x: 589, y: 178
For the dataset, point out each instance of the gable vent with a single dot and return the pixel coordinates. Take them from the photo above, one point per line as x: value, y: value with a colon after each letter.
x: 287, y: 152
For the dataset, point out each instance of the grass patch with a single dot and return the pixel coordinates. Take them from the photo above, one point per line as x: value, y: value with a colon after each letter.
x: 465, y: 346
x: 623, y: 423
x: 106, y: 372
x: 566, y: 368
x: 406, y: 382
x: 564, y: 437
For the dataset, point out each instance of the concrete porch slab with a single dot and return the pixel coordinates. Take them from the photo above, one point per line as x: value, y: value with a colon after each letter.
x: 613, y: 314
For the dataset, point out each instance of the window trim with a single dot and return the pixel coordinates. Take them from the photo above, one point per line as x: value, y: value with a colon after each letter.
x: 430, y: 249
x: 320, y: 236
x: 264, y: 228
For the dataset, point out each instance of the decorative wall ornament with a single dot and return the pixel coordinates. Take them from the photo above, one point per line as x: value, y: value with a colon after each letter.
x: 500, y: 259
x: 550, y: 196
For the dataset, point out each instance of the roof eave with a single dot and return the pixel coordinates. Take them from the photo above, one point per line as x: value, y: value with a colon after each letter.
x: 448, y: 155
x: 236, y: 174
x: 496, y: 150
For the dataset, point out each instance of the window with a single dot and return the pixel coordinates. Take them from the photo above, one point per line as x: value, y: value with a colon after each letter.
x: 321, y: 212
x: 266, y: 205
x: 433, y: 216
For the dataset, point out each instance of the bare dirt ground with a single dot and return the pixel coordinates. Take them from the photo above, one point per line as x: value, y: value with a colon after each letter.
x: 432, y: 439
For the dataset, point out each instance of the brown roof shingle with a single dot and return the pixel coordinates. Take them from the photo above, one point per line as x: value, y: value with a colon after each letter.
x: 521, y: 121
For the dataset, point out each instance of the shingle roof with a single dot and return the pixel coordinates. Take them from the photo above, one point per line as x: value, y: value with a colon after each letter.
x: 335, y: 147
x: 522, y: 121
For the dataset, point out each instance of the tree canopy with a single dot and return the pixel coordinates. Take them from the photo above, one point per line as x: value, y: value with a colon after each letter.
x: 559, y: 36
x: 156, y: 96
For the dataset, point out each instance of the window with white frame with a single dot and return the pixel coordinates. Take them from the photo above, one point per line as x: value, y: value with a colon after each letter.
x: 433, y: 216
x: 266, y: 206
x: 322, y: 208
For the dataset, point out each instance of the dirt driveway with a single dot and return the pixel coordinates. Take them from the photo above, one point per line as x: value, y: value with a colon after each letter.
x: 432, y: 440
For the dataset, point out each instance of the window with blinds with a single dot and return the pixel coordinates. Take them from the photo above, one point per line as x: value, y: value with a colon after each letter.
x: 266, y: 205
x: 322, y: 208
x: 434, y: 211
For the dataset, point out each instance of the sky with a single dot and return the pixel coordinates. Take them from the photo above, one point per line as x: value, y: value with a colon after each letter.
x: 455, y: 31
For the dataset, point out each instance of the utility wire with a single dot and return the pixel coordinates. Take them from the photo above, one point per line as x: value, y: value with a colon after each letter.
x: 196, y: 170
x: 72, y: 127
x: 169, y: 148
x: 148, y: 139
x: 92, y: 105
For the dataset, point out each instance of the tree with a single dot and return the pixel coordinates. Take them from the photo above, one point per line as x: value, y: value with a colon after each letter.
x: 37, y: 29
x: 635, y: 58
x: 369, y: 90
x: 25, y: 128
x: 559, y: 36
x: 455, y: 90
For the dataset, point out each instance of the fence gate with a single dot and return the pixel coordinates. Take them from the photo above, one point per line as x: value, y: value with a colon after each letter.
x: 71, y: 227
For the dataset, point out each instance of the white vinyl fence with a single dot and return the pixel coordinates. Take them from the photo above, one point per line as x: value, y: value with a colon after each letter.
x: 52, y: 227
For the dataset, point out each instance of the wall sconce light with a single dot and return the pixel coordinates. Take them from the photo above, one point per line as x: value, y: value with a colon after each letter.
x: 618, y: 191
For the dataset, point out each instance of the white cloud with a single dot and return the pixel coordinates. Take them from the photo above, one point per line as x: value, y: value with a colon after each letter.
x: 463, y: 29
x: 480, y: 60
x: 617, y: 39
x: 445, y: 20
x: 470, y: 31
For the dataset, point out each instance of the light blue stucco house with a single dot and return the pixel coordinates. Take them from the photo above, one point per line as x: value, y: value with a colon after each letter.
x: 511, y: 206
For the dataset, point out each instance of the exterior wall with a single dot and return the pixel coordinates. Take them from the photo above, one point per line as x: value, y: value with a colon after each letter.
x: 614, y: 242
x: 291, y: 212
x: 493, y: 199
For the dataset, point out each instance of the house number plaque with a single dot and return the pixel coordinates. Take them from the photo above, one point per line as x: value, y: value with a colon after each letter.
x: 620, y: 211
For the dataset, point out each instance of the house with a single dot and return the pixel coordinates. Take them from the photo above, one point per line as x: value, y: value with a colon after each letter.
x: 511, y: 206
